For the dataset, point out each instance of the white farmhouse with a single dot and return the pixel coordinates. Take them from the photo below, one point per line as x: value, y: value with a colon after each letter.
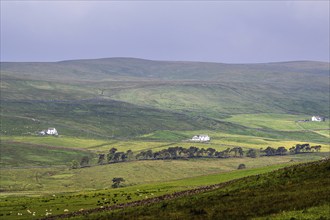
x: 51, y: 131
x: 201, y: 138
x: 317, y: 118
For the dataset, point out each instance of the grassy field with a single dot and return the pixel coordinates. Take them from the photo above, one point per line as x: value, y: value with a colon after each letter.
x: 316, y: 212
x: 62, y: 179
x: 95, y: 119
x: 15, y: 154
x: 284, y: 122
x: 55, y: 202
x: 269, y: 194
x: 219, y: 141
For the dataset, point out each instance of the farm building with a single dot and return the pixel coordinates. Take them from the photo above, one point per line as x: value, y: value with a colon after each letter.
x: 49, y: 131
x: 317, y: 118
x: 201, y: 138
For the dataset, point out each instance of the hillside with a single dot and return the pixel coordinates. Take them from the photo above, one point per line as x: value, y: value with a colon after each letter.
x: 299, y: 187
x: 211, y: 88
x: 127, y: 97
x: 99, y: 69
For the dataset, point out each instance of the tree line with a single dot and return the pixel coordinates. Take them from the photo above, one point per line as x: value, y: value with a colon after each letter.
x: 174, y: 153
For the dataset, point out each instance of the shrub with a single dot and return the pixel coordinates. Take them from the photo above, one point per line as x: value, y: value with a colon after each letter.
x: 241, y: 166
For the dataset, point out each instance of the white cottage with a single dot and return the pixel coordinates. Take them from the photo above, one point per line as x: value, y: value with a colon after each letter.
x: 201, y: 138
x: 52, y: 131
x: 49, y: 131
x: 317, y: 118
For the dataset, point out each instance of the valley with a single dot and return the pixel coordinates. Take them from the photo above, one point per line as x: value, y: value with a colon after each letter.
x: 143, y: 105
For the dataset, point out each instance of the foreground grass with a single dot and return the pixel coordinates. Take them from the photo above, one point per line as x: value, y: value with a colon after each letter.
x: 56, y: 203
x: 299, y: 187
x: 40, y: 180
x: 317, y: 212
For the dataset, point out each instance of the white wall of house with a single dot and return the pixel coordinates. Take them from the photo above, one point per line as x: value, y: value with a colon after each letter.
x: 201, y: 138
x: 317, y: 118
x: 52, y: 131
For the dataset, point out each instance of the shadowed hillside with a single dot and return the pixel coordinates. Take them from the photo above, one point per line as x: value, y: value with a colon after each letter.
x: 164, y: 95
x: 298, y: 187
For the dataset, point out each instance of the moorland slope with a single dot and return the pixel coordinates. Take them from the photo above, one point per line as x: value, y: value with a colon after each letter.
x: 162, y: 95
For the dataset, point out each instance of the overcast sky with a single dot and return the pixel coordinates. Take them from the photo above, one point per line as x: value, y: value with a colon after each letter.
x: 217, y: 31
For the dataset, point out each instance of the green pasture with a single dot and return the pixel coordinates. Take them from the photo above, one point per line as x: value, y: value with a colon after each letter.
x: 55, y: 202
x: 297, y: 192
x: 223, y: 98
x: 60, y: 141
x: 109, y: 120
x: 62, y: 179
x: 284, y: 122
x: 15, y: 154
x: 316, y: 212
x: 22, y: 89
x: 325, y: 133
x: 243, y: 134
x: 219, y: 141
x: 101, y: 119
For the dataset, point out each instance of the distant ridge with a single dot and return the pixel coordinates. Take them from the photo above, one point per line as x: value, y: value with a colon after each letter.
x: 119, y: 67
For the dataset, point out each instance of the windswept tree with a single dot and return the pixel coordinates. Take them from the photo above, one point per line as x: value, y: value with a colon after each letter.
x: 192, y: 151
x: 210, y: 152
x: 129, y: 154
x: 117, y: 181
x: 251, y: 153
x: 173, y: 151
x: 201, y: 152
x: 270, y: 151
x: 111, y: 154
x: 237, y: 151
x: 292, y: 150
x: 281, y: 151
x: 317, y: 148
x: 148, y: 155
x: 183, y: 153
x: 240, y: 151
x: 101, y: 159
x: 223, y: 154
x: 145, y: 155
x: 84, y: 162
x: 119, y: 157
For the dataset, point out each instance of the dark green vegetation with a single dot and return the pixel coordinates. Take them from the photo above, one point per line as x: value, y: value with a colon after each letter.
x: 174, y: 153
x: 292, y: 188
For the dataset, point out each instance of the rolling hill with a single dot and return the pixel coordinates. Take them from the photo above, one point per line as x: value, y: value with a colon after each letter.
x: 130, y: 97
x: 137, y: 104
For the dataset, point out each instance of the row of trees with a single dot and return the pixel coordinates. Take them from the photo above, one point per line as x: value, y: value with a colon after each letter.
x: 194, y: 152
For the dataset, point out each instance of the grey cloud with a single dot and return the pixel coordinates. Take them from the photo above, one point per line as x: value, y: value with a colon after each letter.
x: 221, y: 31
